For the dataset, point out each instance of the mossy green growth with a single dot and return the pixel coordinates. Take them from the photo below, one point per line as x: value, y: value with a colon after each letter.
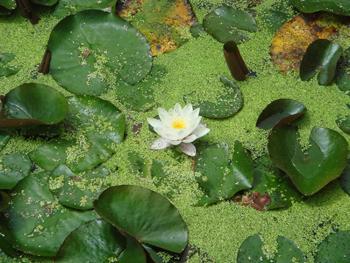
x: 220, y: 229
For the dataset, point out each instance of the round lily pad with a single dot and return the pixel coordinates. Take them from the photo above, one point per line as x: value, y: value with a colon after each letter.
x: 67, y: 7
x: 96, y: 241
x: 13, y: 168
x: 33, y: 104
x: 145, y: 215
x: 335, y: 248
x: 92, y: 49
x: 93, y: 129
x: 228, y: 24
x: 251, y: 251
x: 37, y: 222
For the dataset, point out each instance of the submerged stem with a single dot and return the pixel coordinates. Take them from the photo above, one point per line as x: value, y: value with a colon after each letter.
x: 235, y: 62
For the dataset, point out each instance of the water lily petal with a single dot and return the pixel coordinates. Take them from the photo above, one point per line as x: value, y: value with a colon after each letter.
x: 177, y: 109
x: 175, y: 142
x: 154, y: 123
x: 163, y: 115
x: 190, y: 138
x: 187, y: 109
x: 188, y: 148
x: 201, y: 131
x: 160, y: 144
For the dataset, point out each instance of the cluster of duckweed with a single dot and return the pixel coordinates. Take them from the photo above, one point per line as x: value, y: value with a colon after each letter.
x: 219, y: 229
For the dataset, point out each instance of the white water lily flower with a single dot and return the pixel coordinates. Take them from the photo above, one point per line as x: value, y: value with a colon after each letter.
x: 178, y: 126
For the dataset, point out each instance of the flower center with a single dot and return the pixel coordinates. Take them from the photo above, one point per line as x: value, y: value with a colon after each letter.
x: 178, y: 124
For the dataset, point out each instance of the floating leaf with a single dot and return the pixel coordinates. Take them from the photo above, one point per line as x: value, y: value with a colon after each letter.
x: 309, y: 170
x: 339, y: 7
x: 92, y: 49
x: 222, y: 177
x: 145, y: 215
x: 96, y: 241
x: 33, y: 104
x: 323, y: 56
x: 292, y: 39
x: 4, y: 202
x: 68, y: 7
x: 251, y: 251
x: 45, y: 2
x: 345, y: 179
x: 78, y: 191
x: 226, y: 104
x: 288, y: 251
x: 137, y: 163
x: 95, y: 127
x: 13, y: 168
x: 277, y: 15
x: 343, y: 72
x: 164, y: 23
x: 344, y: 124
x: 4, y: 138
x: 280, y: 112
x: 133, y: 252
x: 38, y: 223
x: 228, y: 24
x: 6, y: 243
x: 7, y: 70
x: 335, y: 248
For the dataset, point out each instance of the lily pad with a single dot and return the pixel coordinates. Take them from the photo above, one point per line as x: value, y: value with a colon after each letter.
x: 37, y: 222
x: 5, y: 239
x: 133, y: 252
x: 45, y: 2
x: 78, y: 191
x: 223, y: 175
x: 277, y: 15
x: 144, y: 215
x: 322, y: 55
x: 280, y: 112
x: 339, y: 7
x: 226, y: 104
x: 33, y: 104
x: 344, y: 124
x: 314, y: 168
x: 288, y: 251
x: 251, y: 251
x: 343, y: 72
x: 228, y: 24
x: 68, y: 7
x: 4, y: 138
x: 335, y: 248
x: 6, y: 69
x: 92, y: 49
x: 4, y: 202
x: 13, y: 168
x: 96, y: 241
x: 94, y: 128
x: 345, y: 179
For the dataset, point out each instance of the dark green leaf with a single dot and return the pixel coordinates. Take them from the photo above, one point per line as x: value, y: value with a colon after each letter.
x: 344, y: 124
x: 250, y: 251
x: 92, y: 49
x: 339, y: 7
x: 67, y: 7
x: 38, y: 223
x: 345, y: 179
x: 96, y: 241
x: 10, y: 5
x: 6, y: 243
x: 137, y: 163
x: 5, y: 58
x: 78, y: 191
x: 343, y: 73
x: 4, y: 201
x: 280, y: 112
x: 133, y: 252
x: 4, y: 138
x: 335, y: 248
x: 288, y: 252
x: 45, y: 2
x: 309, y: 170
x: 322, y: 55
x: 13, y: 168
x: 228, y: 24
x: 145, y: 215
x: 222, y: 177
x: 33, y: 104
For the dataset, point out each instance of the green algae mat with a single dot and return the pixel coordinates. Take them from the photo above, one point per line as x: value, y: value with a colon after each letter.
x: 174, y: 131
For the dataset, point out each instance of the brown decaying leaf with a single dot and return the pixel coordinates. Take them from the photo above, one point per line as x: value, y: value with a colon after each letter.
x: 291, y: 41
x: 255, y: 200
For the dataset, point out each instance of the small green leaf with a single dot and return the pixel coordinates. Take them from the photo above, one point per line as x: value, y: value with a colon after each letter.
x: 68, y: 7
x: 344, y: 124
x: 225, y: 105
x: 222, y: 177
x: 280, y: 112
x: 288, y: 252
x: 251, y: 251
x: 228, y: 24
x: 33, y: 104
x: 322, y: 55
x: 345, y: 179
x: 37, y: 222
x: 309, y: 170
x: 145, y: 215
x: 96, y: 241
x: 339, y: 7
x: 78, y: 191
x: 7, y: 70
x: 343, y: 73
x: 335, y: 248
x: 93, y: 49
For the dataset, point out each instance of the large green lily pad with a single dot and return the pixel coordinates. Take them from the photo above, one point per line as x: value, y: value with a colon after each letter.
x: 33, y: 104
x: 13, y: 168
x: 335, y: 248
x: 343, y: 73
x: 280, y: 112
x: 251, y: 251
x: 37, y: 222
x: 310, y: 170
x: 92, y: 49
x: 228, y: 24
x: 322, y: 55
x: 94, y: 128
x: 339, y: 7
x: 96, y: 241
x: 67, y: 7
x: 78, y: 191
x: 222, y: 175
x: 6, y: 69
x: 145, y: 215
x: 133, y: 252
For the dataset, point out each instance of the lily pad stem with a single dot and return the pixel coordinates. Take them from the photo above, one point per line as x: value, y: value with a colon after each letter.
x: 26, y: 10
x: 235, y: 62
